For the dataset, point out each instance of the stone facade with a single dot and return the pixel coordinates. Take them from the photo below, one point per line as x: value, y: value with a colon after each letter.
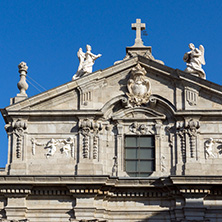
x: 67, y: 152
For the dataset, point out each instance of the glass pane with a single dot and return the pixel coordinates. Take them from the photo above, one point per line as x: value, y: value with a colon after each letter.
x: 131, y: 153
x: 145, y: 141
x: 130, y: 142
x: 131, y: 166
x: 145, y: 166
x: 146, y: 153
x: 132, y: 174
x: 144, y: 174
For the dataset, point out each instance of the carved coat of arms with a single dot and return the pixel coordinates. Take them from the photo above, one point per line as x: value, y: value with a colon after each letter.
x: 138, y: 86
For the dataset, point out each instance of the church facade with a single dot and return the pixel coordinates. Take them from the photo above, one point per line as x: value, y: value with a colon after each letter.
x: 138, y: 141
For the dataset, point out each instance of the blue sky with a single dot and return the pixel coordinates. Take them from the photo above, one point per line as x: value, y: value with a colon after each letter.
x: 47, y: 35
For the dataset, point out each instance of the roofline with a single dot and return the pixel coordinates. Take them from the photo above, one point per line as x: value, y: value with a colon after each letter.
x: 177, y: 74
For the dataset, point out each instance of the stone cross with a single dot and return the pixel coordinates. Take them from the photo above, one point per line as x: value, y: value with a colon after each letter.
x: 138, y: 26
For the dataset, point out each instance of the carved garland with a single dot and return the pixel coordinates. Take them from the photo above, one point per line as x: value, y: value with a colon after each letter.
x: 187, y: 128
x: 140, y: 129
x: 97, y: 126
x: 181, y: 132
x: 192, y: 128
x: 18, y: 128
x: 86, y: 128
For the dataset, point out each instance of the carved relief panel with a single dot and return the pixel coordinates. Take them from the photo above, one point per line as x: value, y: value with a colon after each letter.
x: 213, y: 148
x: 54, y: 145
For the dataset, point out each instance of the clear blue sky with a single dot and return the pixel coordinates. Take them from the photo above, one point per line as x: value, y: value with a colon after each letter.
x: 47, y: 35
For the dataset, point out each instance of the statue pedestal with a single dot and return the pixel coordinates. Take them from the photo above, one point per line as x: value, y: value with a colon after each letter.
x: 145, y: 50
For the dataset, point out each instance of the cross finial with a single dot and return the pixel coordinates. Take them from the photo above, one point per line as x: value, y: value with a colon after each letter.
x: 138, y: 26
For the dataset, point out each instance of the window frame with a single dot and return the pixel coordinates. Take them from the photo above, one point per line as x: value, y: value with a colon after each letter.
x: 140, y: 172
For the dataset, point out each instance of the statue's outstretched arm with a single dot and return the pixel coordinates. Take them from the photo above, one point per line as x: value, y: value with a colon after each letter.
x: 94, y: 57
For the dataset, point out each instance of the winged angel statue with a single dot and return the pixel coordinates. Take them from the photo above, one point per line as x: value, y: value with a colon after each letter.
x: 86, y: 61
x: 195, y: 59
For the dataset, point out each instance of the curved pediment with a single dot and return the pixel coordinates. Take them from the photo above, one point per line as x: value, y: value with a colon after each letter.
x: 138, y: 113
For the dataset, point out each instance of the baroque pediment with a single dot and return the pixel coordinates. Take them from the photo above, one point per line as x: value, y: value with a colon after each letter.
x: 93, y: 90
x: 138, y: 113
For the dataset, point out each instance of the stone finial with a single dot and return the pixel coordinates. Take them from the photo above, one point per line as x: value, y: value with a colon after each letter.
x: 22, y: 84
x: 23, y: 67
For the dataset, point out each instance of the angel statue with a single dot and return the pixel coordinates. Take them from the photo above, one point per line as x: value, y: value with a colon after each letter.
x: 195, y: 59
x: 86, y: 61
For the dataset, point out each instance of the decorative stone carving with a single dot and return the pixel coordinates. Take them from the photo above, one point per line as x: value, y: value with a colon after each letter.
x: 95, y: 147
x: 51, y: 146
x: 213, y: 148
x: 188, y: 128
x: 192, y: 127
x: 152, y: 102
x: 138, y: 86
x: 170, y: 132
x: 138, y: 128
x: 35, y: 143
x: 108, y: 132
x: 8, y: 128
x: 191, y: 96
x: 208, y: 145
x: 87, y: 127
x: 18, y: 128
x: 195, y: 59
x: 67, y: 145
x: 86, y: 62
x: 97, y: 126
x: 22, y: 84
x: 125, y: 103
x: 115, y: 166
x: 181, y: 132
x: 158, y: 127
x: 85, y: 97
x: 163, y: 164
